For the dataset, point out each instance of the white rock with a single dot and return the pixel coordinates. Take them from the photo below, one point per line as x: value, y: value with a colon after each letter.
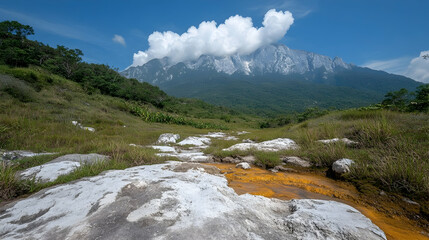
x: 168, y: 138
x: 60, y: 166
x: 242, y: 132
x: 196, y: 141
x: 344, y: 140
x: 272, y: 145
x: 215, y: 135
x: 243, y: 165
x: 89, y: 129
x: 77, y: 124
x: 220, y: 135
x: 164, y: 149
x: 19, y: 154
x: 342, y: 165
x: 189, y: 156
x: 296, y: 161
x: 49, y: 171
x: 157, y: 202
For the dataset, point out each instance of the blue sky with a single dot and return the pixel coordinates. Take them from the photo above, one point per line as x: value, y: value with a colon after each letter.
x: 383, y: 34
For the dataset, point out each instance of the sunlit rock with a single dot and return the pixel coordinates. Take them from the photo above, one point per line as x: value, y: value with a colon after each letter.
x: 269, y: 146
x: 168, y: 138
x: 168, y: 201
x: 60, y: 166
x: 243, y: 165
x: 342, y: 165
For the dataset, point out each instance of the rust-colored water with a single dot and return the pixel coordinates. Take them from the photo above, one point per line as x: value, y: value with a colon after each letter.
x: 306, y: 185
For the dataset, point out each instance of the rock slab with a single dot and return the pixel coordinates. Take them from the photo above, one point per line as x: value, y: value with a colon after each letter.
x: 174, y: 201
x: 63, y: 165
x: 274, y: 145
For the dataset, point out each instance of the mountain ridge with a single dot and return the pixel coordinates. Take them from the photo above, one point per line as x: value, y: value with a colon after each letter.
x: 274, y: 74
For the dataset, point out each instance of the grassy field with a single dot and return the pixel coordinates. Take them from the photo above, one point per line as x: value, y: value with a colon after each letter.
x: 392, y: 154
x: 36, y: 115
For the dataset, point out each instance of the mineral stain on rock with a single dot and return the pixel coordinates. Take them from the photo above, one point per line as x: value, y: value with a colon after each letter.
x: 286, y: 186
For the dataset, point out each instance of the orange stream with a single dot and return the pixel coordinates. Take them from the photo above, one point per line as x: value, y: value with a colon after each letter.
x: 305, y: 185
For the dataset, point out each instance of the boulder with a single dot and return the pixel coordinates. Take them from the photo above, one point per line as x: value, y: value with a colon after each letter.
x: 296, y: 161
x: 166, y: 201
x: 342, y: 165
x: 166, y: 138
x: 243, y: 165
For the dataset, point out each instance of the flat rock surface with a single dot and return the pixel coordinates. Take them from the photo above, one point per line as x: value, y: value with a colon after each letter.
x: 60, y: 166
x: 174, y: 201
x: 196, y: 141
x: 271, y: 145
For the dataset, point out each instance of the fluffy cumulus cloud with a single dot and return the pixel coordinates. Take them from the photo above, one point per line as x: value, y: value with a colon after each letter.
x: 236, y: 35
x: 119, y: 39
x: 419, y: 68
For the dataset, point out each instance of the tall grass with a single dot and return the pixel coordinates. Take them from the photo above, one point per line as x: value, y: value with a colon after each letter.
x: 146, y: 115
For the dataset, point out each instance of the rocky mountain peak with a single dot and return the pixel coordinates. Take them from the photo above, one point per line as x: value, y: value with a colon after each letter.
x: 274, y: 58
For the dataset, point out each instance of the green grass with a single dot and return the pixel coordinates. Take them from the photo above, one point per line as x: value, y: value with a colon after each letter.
x: 44, y: 124
x: 392, y: 155
x: 267, y: 159
x: 155, y: 116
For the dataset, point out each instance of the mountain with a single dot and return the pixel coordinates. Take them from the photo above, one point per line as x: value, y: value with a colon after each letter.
x: 272, y: 80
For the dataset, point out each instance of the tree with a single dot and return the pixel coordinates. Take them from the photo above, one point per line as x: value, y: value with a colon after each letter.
x: 14, y: 29
x: 397, y: 100
x: 65, y: 61
x: 421, y: 102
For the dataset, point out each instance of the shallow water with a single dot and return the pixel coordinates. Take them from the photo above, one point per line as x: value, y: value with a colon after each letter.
x: 288, y: 186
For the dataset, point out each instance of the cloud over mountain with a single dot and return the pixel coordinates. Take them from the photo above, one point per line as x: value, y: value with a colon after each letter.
x: 236, y: 35
x: 416, y: 68
x: 419, y: 68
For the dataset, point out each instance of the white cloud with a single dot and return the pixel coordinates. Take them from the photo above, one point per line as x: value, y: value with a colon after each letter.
x: 397, y: 65
x: 236, y: 35
x: 119, y: 39
x: 415, y: 68
x: 419, y: 68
